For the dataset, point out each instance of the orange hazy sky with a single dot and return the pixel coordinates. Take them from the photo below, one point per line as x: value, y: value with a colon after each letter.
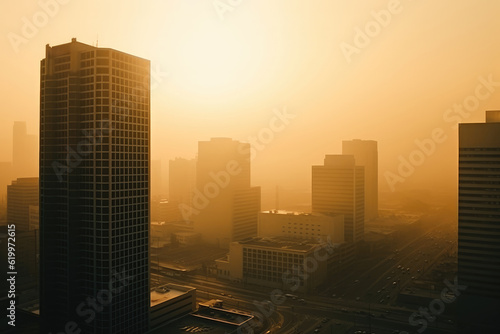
x: 381, y: 70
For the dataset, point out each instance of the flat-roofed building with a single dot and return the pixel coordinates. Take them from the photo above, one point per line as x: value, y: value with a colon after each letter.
x: 279, y: 262
x: 169, y: 302
x: 338, y: 187
x: 301, y: 225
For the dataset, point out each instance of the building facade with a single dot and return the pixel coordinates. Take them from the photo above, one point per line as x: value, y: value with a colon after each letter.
x: 22, y: 194
x: 279, y: 262
x: 365, y: 154
x: 224, y: 207
x: 171, y: 301
x: 479, y: 225
x: 301, y: 225
x: 94, y: 190
x: 338, y: 188
x: 24, y: 152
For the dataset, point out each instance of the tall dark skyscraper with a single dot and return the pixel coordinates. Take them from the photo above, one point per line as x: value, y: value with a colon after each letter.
x: 479, y: 225
x: 94, y: 190
x: 366, y: 154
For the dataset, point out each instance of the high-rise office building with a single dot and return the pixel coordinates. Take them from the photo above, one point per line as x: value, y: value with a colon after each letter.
x: 366, y: 154
x: 224, y: 207
x: 338, y: 188
x: 94, y: 190
x: 21, y: 194
x: 24, y: 152
x: 479, y: 225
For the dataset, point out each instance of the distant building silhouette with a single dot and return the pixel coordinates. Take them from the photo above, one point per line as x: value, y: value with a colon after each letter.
x: 94, y: 190
x: 338, y: 187
x: 225, y: 207
x: 156, y: 179
x: 366, y: 154
x: 479, y: 225
x: 181, y: 185
x: 5, y: 179
x: 24, y: 152
x: 22, y: 194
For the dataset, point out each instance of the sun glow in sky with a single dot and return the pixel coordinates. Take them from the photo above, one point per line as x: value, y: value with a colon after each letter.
x: 225, y: 77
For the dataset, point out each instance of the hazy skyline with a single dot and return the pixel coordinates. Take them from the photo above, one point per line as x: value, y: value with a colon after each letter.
x: 214, y: 77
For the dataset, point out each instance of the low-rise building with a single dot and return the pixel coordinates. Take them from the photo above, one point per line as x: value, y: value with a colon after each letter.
x: 301, y: 225
x: 169, y: 302
x: 211, y: 318
x: 281, y: 262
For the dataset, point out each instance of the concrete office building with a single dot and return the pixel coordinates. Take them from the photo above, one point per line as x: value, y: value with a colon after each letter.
x: 24, y: 152
x: 338, y: 188
x: 22, y: 194
x: 276, y: 262
x: 365, y: 154
x: 301, y: 225
x: 171, y: 301
x: 225, y: 207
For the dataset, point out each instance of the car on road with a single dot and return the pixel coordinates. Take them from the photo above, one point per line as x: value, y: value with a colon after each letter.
x: 358, y: 298
x: 303, y: 301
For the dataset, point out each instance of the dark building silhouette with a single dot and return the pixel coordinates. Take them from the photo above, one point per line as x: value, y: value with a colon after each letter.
x: 479, y: 226
x: 338, y: 187
x: 24, y: 152
x: 5, y: 179
x: 181, y: 185
x: 94, y: 190
x: 366, y: 154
